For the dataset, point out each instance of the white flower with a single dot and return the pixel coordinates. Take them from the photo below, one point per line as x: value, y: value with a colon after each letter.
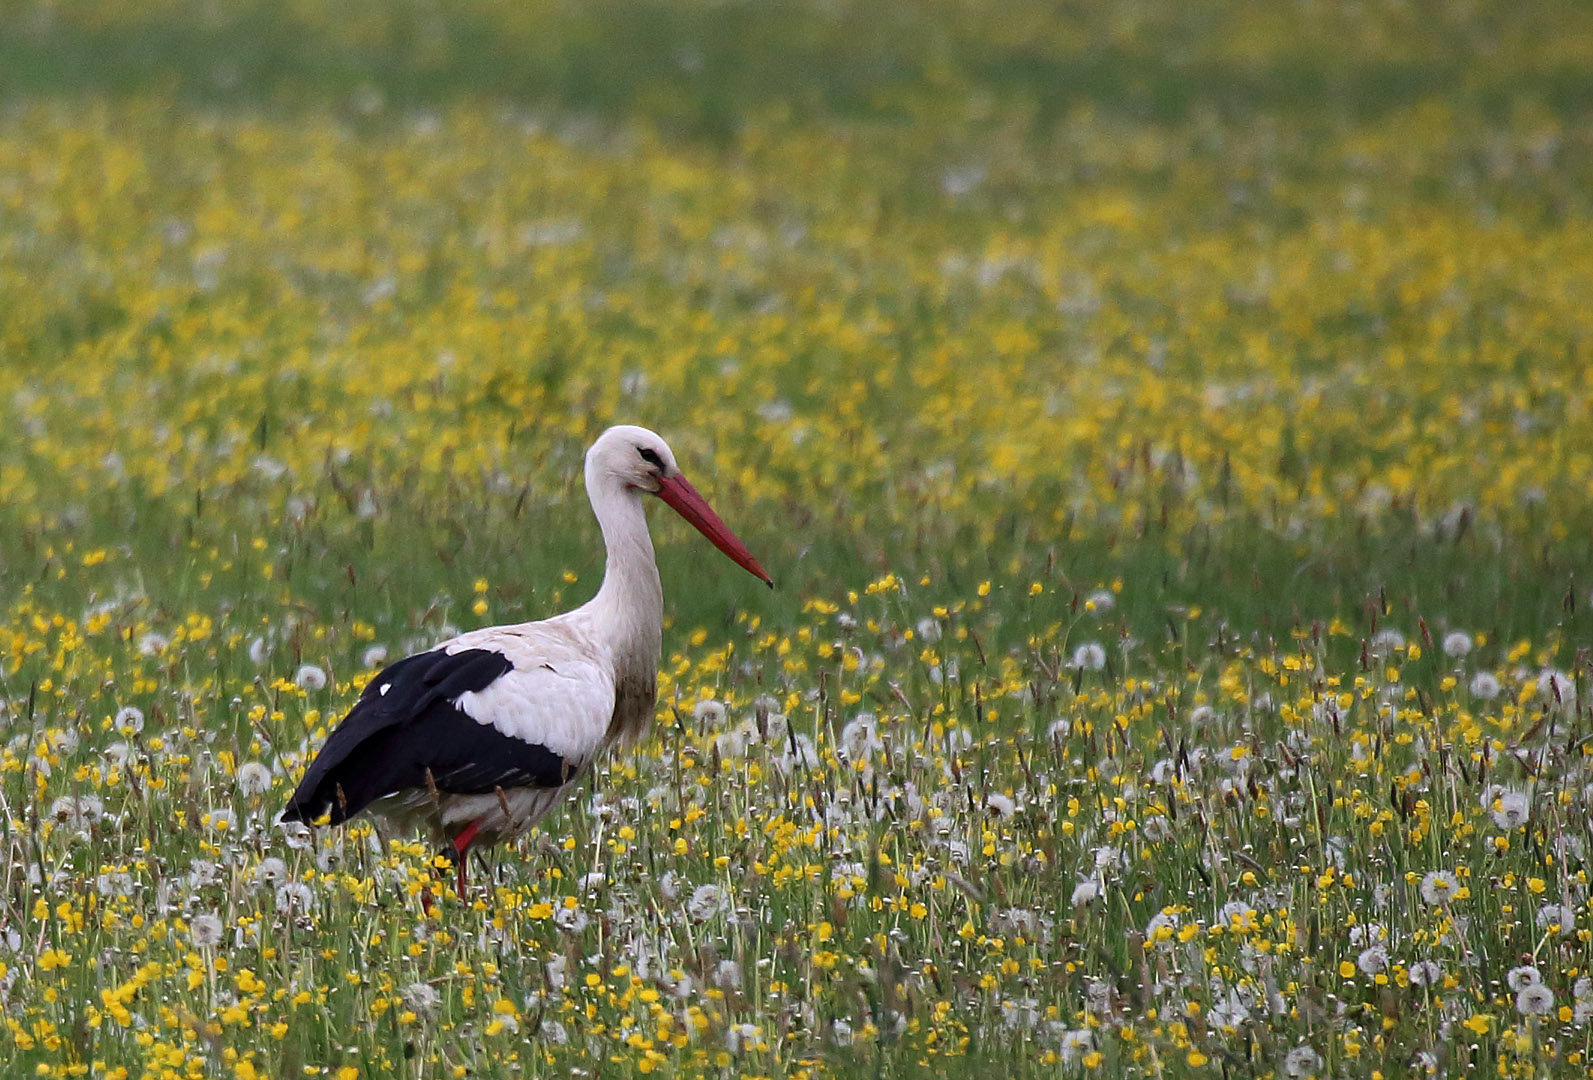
x: 1058, y: 730
x: 1386, y: 641
x: 1372, y: 960
x: 1201, y: 715
x: 1074, y: 1044
x: 1002, y: 805
x: 1457, y: 643
x: 296, y: 895
x: 254, y: 778
x: 1535, y: 1000
x: 1557, y: 915
x: 706, y: 902
x: 741, y: 1036
x: 421, y: 997
x: 205, y: 931
x: 259, y: 651
x: 928, y: 630
x: 708, y: 712
x: 1302, y: 1061
x: 1425, y: 973
x: 1484, y: 687
x: 270, y: 873
x: 1511, y: 809
x: 1582, y: 989
x: 1439, y: 887
x: 727, y: 976
x: 570, y: 920
x: 296, y: 835
x: 860, y: 738
x: 374, y: 656
x: 129, y: 720
x: 1103, y: 601
x: 78, y: 811
x: 115, y: 883
x: 309, y: 677
x: 669, y: 886
x: 1089, y: 657
x: 1085, y: 892
x: 1556, y: 690
x: 152, y: 644
x: 219, y: 820
x: 1519, y: 978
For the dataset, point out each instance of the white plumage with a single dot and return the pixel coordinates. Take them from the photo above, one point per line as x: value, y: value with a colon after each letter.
x: 479, y: 737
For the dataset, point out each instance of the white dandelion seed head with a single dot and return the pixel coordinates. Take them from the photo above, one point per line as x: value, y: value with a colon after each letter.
x: 570, y: 920
x: 727, y: 976
x: 115, y: 883
x: 928, y: 630
x: 1556, y: 690
x: 1425, y: 973
x: 373, y: 657
x: 310, y: 678
x: 129, y: 720
x: 1518, y: 978
x: 1457, y: 643
x: 1001, y: 805
x: 254, y: 778
x: 1058, y: 730
x: 1511, y: 809
x: 706, y: 901
x: 1386, y: 641
x: 860, y: 738
x: 1484, y: 686
x: 1103, y: 600
x: 296, y: 835
x: 421, y: 997
x: 669, y: 886
x: 1438, y: 887
x: 270, y: 873
x: 205, y: 931
x: 1557, y: 915
x: 259, y: 651
x: 1535, y: 1000
x: 152, y: 644
x: 1302, y: 1061
x: 1372, y: 960
x: 1201, y: 715
x: 1582, y: 989
x: 709, y: 712
x: 1089, y: 657
x: 295, y: 895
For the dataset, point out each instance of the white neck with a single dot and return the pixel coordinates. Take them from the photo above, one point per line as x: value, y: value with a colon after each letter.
x: 629, y: 607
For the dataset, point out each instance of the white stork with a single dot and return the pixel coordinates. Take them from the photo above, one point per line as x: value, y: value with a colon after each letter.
x: 479, y: 737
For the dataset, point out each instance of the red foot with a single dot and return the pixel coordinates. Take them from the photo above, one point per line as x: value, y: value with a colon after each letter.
x: 461, y: 842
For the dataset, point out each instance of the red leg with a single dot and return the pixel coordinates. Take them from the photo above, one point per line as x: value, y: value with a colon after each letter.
x: 461, y: 842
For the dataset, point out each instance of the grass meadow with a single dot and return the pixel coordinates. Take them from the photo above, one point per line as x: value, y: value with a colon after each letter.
x: 1170, y: 428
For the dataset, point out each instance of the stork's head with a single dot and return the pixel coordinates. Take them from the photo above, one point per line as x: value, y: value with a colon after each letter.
x: 635, y: 459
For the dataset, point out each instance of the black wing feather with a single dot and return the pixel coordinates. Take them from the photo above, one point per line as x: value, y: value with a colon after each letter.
x: 390, y: 741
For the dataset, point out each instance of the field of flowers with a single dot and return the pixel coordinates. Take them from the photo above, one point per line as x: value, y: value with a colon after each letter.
x: 1170, y: 428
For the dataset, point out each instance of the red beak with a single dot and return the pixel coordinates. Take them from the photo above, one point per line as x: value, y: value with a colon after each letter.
x: 684, y: 500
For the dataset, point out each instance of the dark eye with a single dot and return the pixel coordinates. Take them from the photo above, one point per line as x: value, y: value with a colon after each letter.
x: 651, y: 457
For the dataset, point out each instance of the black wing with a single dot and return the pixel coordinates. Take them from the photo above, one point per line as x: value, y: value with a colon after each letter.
x: 406, y: 725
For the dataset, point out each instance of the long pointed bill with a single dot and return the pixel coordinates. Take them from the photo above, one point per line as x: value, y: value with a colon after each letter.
x: 684, y: 500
